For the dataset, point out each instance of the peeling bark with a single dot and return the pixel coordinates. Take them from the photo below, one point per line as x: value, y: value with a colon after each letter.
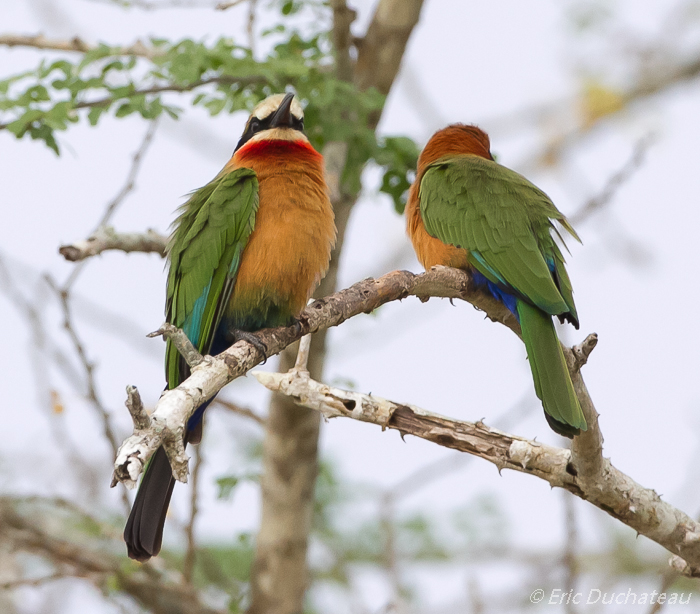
x: 608, y: 489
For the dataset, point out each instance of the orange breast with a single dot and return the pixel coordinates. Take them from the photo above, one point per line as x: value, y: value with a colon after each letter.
x: 430, y: 251
x: 289, y: 250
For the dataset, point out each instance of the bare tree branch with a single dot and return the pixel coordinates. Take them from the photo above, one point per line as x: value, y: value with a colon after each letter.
x: 290, y: 448
x: 250, y: 25
x: 181, y: 341
x: 158, y: 591
x: 130, y: 183
x: 648, y: 84
x: 222, y: 6
x: 106, y: 238
x: 569, y: 560
x: 390, y: 554
x: 381, y: 50
x: 39, y: 41
x: 191, y: 552
x: 242, y: 411
x: 91, y: 391
x: 342, y: 38
x: 175, y: 406
x: 85, y: 247
x: 667, y: 581
x: 302, y: 361
x: 615, y: 182
x: 5, y: 586
x: 154, y: 6
x: 615, y: 493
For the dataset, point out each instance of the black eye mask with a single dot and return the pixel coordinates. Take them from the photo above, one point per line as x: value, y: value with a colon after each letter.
x: 256, y: 125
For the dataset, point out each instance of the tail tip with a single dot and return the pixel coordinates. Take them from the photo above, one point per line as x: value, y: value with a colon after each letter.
x: 564, y: 429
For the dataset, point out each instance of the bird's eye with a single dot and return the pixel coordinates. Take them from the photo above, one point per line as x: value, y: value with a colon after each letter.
x: 298, y: 123
x: 254, y: 124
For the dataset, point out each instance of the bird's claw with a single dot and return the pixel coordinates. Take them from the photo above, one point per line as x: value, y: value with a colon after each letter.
x: 242, y: 335
x: 298, y: 326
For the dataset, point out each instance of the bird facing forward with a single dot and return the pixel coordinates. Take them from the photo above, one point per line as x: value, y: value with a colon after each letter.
x: 246, y: 252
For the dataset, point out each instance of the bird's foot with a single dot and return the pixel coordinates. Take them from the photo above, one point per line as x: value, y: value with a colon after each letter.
x: 298, y: 324
x: 242, y: 335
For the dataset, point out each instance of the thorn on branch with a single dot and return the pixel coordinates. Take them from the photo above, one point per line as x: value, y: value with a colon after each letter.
x: 192, y: 357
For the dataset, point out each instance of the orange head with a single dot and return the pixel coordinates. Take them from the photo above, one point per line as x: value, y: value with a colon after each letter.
x: 455, y: 139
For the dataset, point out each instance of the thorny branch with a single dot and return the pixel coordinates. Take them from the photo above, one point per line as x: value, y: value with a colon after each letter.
x: 582, y: 471
x: 175, y: 406
x: 610, y: 489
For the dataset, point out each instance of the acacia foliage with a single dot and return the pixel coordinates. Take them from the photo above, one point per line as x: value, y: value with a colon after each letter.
x: 223, y: 76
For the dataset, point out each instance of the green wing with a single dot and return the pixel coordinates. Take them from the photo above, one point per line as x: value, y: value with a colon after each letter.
x: 205, y: 253
x: 504, y: 223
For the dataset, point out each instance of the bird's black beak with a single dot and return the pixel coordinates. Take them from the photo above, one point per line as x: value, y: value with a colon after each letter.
x: 282, y: 117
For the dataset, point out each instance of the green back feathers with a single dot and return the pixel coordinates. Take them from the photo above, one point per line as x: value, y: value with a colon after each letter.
x: 204, y: 253
x: 504, y: 222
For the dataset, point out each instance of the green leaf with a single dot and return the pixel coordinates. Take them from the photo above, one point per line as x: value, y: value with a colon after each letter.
x: 124, y: 109
x: 398, y: 157
x: 20, y: 126
x: 95, y: 113
x: 101, y: 51
x: 228, y: 483
x: 42, y: 132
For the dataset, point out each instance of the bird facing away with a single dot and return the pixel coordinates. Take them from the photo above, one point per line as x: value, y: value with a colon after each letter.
x: 467, y: 211
x: 246, y: 252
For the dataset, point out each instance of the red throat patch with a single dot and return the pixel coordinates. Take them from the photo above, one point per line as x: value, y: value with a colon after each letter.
x: 273, y: 148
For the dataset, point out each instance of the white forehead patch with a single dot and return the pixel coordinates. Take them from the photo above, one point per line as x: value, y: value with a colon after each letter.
x: 268, y: 106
